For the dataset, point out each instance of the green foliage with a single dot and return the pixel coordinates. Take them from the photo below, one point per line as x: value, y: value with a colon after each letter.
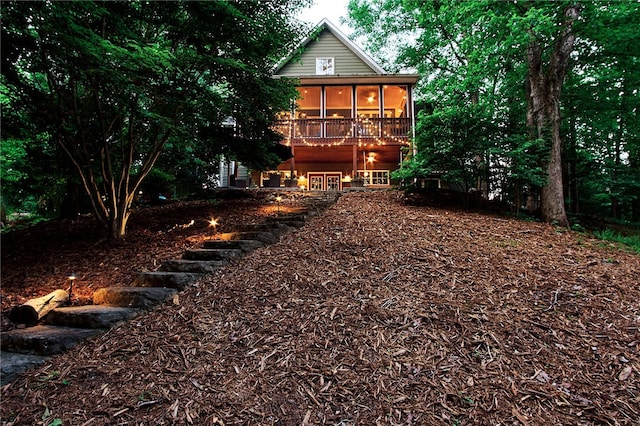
x: 12, y: 158
x: 46, y: 419
x: 577, y: 227
x: 632, y: 242
x: 412, y: 168
x: 473, y: 60
x: 157, y: 184
x: 452, y: 141
x: 111, y: 84
x: 31, y: 173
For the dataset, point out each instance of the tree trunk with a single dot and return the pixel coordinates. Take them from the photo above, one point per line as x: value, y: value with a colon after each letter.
x: 119, y: 217
x: 121, y: 222
x: 543, y: 112
x: 113, y: 192
x: 552, y: 195
x: 572, y: 168
x: 34, y: 309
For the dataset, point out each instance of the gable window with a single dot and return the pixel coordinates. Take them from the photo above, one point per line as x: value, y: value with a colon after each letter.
x: 324, y: 66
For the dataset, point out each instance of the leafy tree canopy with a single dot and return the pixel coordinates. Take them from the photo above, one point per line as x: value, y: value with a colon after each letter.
x: 546, y: 93
x: 113, y: 83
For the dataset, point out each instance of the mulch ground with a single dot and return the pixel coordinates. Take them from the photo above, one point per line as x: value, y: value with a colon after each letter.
x: 37, y: 260
x: 374, y: 313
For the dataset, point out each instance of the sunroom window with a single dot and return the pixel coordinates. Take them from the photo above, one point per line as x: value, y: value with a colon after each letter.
x: 395, y: 101
x: 309, y: 103
x: 338, y: 111
x: 368, y: 101
x: 338, y: 101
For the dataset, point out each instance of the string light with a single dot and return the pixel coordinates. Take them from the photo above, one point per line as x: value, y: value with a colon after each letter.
x: 367, y: 129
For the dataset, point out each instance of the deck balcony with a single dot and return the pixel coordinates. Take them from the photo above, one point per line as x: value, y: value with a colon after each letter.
x: 345, y: 131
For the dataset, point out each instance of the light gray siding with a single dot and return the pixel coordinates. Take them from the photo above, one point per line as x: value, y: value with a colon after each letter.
x: 227, y: 169
x: 346, y: 62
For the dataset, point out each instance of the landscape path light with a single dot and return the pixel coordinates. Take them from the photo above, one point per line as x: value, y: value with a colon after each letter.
x: 278, y: 200
x: 71, y: 277
x: 214, y: 223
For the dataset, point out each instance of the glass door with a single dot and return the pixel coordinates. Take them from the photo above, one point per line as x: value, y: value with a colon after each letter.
x: 333, y: 181
x: 316, y: 182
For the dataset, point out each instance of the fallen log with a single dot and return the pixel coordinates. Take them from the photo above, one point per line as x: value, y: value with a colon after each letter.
x: 33, y: 310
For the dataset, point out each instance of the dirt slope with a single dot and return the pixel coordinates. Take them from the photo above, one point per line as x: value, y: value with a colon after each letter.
x: 374, y: 313
x: 37, y: 260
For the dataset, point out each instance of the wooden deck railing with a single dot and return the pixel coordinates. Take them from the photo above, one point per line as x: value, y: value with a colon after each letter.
x: 344, y: 130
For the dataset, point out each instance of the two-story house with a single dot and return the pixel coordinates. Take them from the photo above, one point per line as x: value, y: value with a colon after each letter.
x: 350, y: 122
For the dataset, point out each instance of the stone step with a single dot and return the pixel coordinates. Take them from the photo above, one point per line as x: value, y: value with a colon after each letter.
x: 299, y: 216
x: 244, y: 245
x: 277, y: 229
x: 67, y: 326
x: 287, y: 221
x: 45, y: 339
x: 211, y: 254
x: 193, y: 266
x: 89, y: 316
x: 177, y: 280
x: 133, y: 297
x: 14, y: 363
x: 265, y: 237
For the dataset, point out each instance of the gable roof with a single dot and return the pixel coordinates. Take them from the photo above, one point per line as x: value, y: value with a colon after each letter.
x: 325, y: 24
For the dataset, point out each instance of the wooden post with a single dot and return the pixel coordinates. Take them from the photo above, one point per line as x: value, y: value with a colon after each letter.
x: 355, y: 161
x: 34, y: 309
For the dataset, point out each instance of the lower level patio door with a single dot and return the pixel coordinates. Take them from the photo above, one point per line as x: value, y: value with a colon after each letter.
x: 325, y: 181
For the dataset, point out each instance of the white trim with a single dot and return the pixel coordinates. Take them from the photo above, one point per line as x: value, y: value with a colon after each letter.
x: 325, y: 183
x: 362, y: 172
x: 352, y: 46
x: 348, y: 79
x: 326, y: 24
x: 325, y: 66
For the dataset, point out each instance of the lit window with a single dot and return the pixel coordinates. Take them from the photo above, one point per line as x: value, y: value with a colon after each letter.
x: 375, y: 177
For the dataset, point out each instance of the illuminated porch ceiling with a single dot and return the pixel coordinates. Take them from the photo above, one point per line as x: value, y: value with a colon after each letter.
x: 344, y: 154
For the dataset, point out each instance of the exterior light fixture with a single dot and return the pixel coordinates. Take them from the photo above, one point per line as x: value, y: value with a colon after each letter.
x: 302, y: 182
x: 213, y: 223
x: 278, y: 200
x: 71, y: 278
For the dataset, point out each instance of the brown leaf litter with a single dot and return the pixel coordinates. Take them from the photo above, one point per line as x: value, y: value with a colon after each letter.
x: 374, y: 313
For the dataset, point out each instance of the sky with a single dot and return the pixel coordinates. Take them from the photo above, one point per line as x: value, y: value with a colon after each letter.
x: 330, y: 9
